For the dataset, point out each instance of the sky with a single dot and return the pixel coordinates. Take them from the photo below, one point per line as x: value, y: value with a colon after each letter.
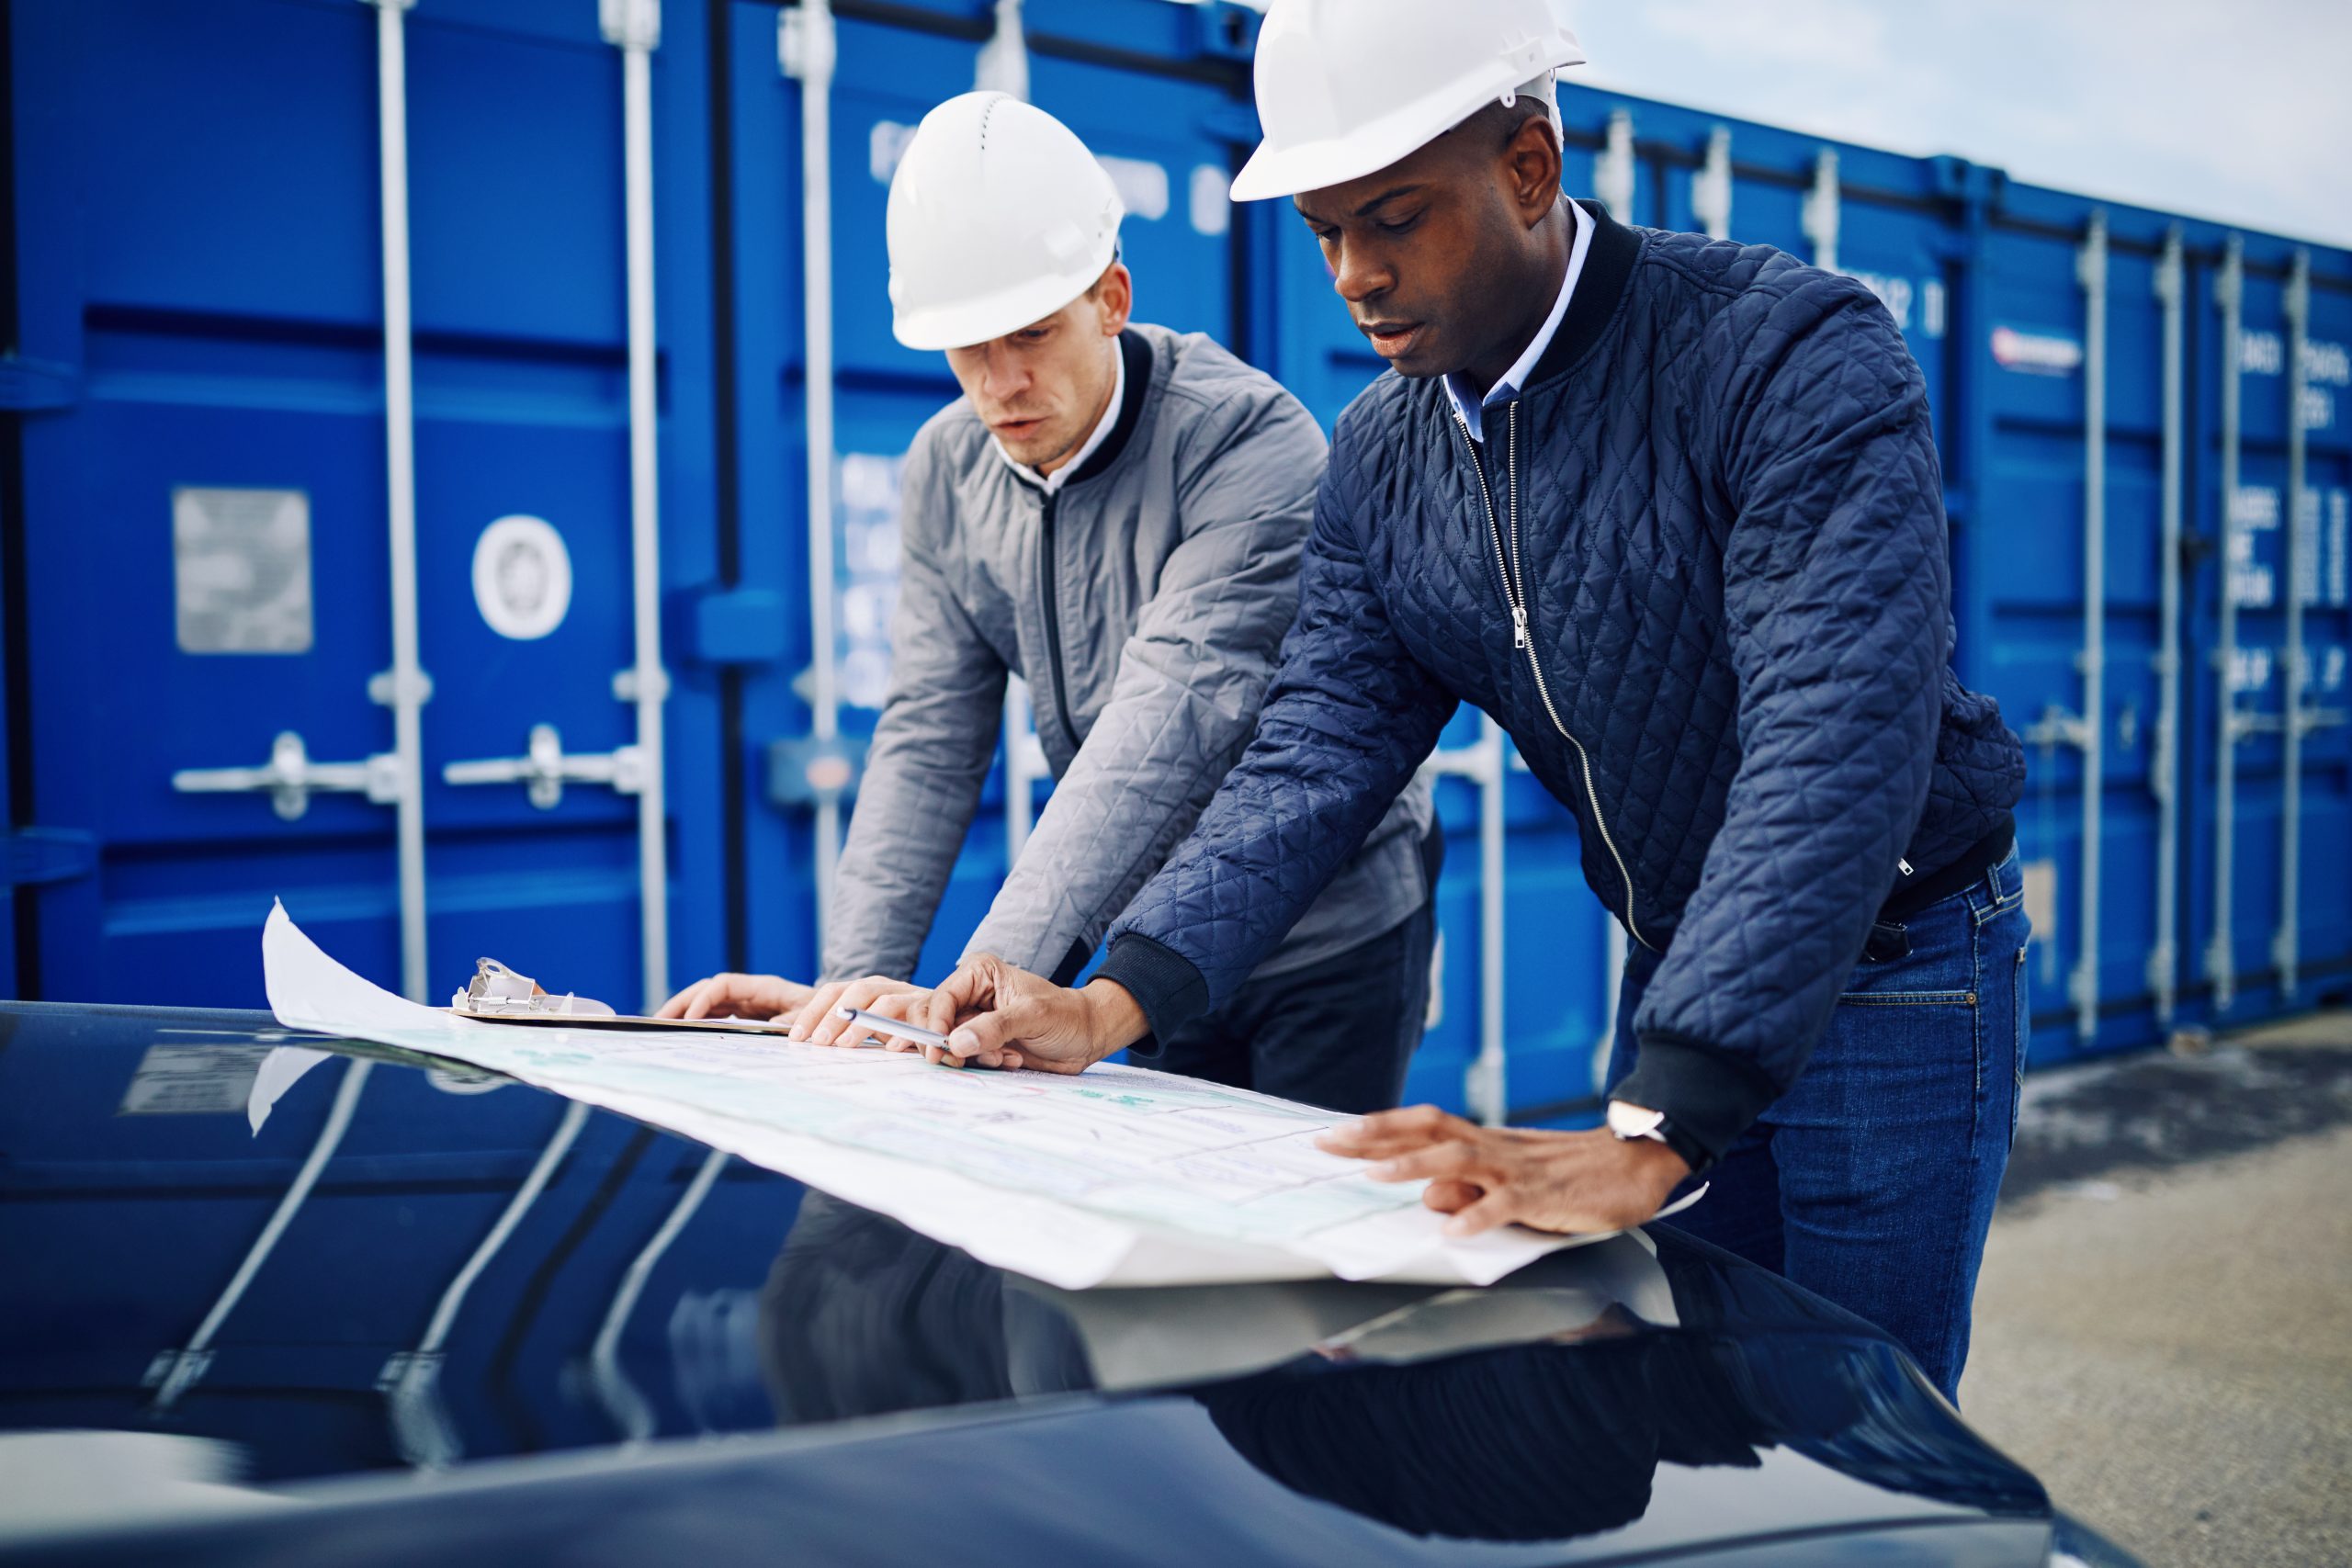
x: 2239, y: 111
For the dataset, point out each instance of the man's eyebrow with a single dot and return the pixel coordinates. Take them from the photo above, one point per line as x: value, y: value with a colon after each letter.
x: 1367, y: 210
x: 1383, y: 199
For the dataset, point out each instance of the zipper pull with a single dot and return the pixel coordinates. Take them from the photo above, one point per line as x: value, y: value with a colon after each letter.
x: 1518, y: 626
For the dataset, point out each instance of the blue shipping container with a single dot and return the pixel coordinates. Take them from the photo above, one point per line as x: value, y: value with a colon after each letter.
x: 204, y: 707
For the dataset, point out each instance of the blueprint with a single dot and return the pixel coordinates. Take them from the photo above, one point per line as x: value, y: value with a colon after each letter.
x: 1117, y: 1175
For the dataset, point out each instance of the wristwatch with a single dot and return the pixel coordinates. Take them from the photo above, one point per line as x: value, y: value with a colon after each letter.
x: 1628, y: 1122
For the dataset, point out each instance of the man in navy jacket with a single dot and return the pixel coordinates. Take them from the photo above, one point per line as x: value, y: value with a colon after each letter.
x: 1670, y: 510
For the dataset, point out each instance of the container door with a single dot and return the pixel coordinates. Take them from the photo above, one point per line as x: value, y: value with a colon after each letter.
x: 2321, y: 844
x: 207, y: 544
x: 2248, y: 830
x: 1131, y: 80
x: 2030, y: 632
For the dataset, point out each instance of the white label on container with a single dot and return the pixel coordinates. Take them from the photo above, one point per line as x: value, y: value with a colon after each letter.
x: 2042, y: 897
x: 866, y: 574
x: 885, y: 145
x: 2250, y: 668
x: 1142, y: 185
x: 241, y: 569
x: 2036, y: 354
x: 2326, y: 363
x: 1211, y: 200
x: 522, y: 577
x: 2251, y: 586
x: 2251, y: 583
x: 1900, y: 293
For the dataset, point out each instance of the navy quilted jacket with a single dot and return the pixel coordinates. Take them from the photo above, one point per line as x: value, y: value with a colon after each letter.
x: 1718, y: 507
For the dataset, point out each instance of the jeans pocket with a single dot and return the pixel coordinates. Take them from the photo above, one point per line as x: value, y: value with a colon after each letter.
x: 1888, y: 941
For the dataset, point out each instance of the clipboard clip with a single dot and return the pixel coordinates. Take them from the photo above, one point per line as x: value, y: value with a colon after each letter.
x: 497, y: 991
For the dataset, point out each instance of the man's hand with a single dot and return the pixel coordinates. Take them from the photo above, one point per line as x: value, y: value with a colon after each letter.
x: 995, y: 1014
x: 819, y: 1022
x: 736, y: 995
x: 1485, y: 1177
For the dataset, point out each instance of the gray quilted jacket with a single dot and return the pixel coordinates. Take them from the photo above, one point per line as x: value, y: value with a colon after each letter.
x: 1144, y: 604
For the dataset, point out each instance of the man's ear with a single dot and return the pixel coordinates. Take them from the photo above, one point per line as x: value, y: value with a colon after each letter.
x: 1115, y: 298
x: 1531, y: 158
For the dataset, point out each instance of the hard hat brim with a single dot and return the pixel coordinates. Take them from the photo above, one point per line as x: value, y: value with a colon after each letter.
x: 1317, y: 166
x: 1333, y: 161
x: 969, y: 321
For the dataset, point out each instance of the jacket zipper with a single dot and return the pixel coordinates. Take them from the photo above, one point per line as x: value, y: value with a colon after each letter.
x: 1047, y: 559
x: 1507, y: 566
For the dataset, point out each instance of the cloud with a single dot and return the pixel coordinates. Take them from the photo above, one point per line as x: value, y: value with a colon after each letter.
x: 1831, y: 35
x: 2240, y: 114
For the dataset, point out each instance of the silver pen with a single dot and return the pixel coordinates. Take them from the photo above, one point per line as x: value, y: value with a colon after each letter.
x: 899, y: 1027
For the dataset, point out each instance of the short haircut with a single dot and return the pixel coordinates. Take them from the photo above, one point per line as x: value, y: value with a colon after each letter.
x: 1502, y: 121
x: 1118, y: 255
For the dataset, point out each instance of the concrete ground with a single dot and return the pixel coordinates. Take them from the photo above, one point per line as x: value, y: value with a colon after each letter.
x: 2163, y: 1325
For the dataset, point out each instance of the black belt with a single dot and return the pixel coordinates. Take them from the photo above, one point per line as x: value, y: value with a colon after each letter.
x: 1917, y: 892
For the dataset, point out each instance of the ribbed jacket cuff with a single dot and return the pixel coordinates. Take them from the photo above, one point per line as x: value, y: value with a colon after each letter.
x: 1171, y: 991
x: 1711, y: 1094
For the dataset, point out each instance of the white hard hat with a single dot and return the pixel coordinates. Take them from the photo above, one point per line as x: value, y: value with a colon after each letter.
x: 999, y: 216
x: 1346, y: 87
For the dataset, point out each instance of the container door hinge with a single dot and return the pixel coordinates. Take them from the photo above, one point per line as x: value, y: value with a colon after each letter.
x: 631, y: 24
x: 1003, y: 62
x: 37, y: 855
x: 1711, y: 187
x: 1820, y: 217
x: 805, y: 42
x: 1612, y: 168
x: 386, y: 688
x: 28, y: 384
x: 1225, y: 31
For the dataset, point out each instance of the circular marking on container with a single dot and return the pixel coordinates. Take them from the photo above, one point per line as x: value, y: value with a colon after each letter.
x: 522, y: 577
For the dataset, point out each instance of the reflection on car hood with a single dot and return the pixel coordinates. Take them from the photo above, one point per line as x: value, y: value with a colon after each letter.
x: 473, y: 1275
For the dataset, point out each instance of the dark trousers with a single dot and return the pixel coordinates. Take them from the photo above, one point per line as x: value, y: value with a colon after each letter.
x: 1339, y: 1033
x: 1871, y: 1182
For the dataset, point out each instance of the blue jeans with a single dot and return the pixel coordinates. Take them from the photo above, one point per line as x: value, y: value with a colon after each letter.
x: 1871, y: 1182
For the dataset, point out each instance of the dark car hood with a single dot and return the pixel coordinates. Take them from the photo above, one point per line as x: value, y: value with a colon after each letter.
x: 526, y: 1299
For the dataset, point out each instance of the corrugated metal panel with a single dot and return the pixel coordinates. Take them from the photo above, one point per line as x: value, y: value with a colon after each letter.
x: 199, y: 305
x: 198, y: 235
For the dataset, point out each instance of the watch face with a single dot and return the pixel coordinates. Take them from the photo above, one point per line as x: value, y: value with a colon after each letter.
x: 1634, y: 1120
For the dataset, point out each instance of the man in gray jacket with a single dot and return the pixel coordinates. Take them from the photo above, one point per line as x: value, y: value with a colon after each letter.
x: 1116, y: 513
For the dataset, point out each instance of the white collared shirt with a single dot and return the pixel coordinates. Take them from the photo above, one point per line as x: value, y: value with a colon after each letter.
x: 1474, y: 413
x: 1052, y: 483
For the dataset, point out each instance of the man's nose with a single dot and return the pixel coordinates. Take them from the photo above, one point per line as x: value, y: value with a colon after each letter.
x: 1359, y: 275
x: 1004, y: 376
